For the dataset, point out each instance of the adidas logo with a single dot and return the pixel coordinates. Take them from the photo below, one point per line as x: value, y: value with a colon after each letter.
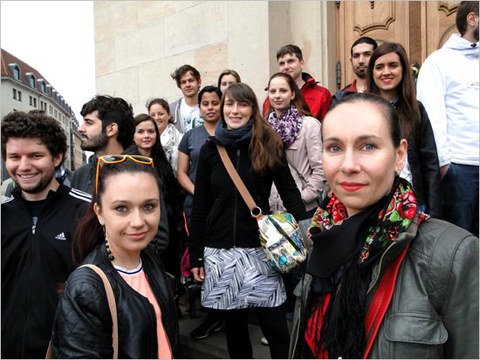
x: 61, y: 236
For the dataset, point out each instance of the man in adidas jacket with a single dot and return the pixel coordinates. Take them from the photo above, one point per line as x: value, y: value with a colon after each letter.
x: 37, y: 227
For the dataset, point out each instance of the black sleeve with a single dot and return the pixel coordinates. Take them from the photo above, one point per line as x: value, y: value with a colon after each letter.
x: 161, y: 239
x: 83, y: 324
x: 289, y: 193
x: 430, y: 166
x: 201, y: 207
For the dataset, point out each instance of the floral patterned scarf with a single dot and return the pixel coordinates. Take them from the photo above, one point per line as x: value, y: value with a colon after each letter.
x: 391, y: 220
x: 345, y: 252
x: 288, y: 125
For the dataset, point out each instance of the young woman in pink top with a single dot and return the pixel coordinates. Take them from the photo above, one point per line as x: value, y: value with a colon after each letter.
x: 114, y: 235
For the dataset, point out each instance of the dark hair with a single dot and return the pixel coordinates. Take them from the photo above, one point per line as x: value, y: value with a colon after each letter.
x: 265, y: 145
x: 407, y: 105
x: 113, y: 110
x: 228, y: 72
x: 465, y: 8
x: 298, y: 101
x: 34, y: 125
x: 389, y: 113
x: 209, y: 89
x: 363, y: 40
x: 89, y: 233
x: 290, y: 49
x: 160, y: 161
x: 182, y: 70
x: 163, y: 103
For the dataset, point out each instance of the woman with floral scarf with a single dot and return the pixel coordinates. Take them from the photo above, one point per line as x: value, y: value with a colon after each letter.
x: 300, y: 133
x: 384, y: 280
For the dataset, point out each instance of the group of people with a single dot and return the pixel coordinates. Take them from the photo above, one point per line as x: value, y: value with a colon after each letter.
x: 375, y: 169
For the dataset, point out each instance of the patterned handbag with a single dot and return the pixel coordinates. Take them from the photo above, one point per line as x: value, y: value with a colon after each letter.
x: 280, y: 234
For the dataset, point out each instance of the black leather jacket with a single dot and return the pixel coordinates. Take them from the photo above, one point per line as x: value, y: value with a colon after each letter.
x: 424, y: 166
x: 83, y: 325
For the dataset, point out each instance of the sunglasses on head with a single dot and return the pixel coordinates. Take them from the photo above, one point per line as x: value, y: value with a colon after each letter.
x: 115, y: 159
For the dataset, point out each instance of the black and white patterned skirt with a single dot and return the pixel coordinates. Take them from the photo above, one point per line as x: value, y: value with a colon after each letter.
x: 239, y: 278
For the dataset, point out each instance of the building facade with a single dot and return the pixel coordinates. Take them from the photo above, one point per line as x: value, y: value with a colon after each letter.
x: 139, y: 43
x: 23, y: 88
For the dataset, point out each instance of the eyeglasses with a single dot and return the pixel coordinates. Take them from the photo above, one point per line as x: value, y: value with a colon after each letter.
x: 115, y: 159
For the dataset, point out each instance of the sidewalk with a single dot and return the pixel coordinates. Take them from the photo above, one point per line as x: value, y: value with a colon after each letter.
x: 214, y: 346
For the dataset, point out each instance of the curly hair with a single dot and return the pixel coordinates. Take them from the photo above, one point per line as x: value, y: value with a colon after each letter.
x: 34, y: 125
x: 113, y: 110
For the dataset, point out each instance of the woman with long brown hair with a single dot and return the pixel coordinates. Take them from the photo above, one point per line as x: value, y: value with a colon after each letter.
x: 225, y: 250
x: 389, y: 76
x: 114, y: 235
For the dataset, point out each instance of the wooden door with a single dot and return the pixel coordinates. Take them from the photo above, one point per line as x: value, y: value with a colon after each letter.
x: 420, y: 26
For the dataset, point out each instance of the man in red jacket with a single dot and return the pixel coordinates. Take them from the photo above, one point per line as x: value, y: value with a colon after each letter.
x: 290, y: 61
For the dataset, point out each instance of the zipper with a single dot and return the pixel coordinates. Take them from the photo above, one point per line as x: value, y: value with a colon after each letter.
x: 27, y: 313
x: 377, y: 275
x: 237, y: 163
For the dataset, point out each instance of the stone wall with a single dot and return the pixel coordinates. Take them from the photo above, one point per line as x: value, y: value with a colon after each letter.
x: 139, y: 43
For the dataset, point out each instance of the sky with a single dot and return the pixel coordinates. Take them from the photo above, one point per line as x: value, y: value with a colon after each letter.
x: 57, y: 39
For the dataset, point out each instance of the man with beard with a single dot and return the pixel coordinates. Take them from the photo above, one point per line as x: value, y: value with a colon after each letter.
x: 38, y: 222
x: 107, y: 128
x: 360, y: 53
x: 448, y: 87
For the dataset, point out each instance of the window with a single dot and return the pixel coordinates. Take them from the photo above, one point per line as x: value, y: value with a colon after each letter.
x: 19, y: 96
x: 15, y: 69
x: 15, y: 94
x: 31, y: 101
x: 43, y: 87
x: 50, y: 109
x: 31, y: 80
x: 34, y: 102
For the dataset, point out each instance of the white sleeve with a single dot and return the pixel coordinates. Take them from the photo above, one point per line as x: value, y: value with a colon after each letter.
x: 431, y: 91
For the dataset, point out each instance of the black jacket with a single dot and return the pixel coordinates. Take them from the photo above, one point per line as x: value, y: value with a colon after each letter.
x: 83, y: 325
x: 36, y: 262
x: 84, y: 179
x: 220, y: 217
x: 424, y: 166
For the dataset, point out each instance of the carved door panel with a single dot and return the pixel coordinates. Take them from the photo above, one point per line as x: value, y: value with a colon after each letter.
x: 420, y: 26
x: 439, y: 23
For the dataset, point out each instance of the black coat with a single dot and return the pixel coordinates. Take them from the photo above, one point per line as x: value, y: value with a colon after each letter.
x: 220, y: 217
x: 424, y: 166
x: 83, y: 325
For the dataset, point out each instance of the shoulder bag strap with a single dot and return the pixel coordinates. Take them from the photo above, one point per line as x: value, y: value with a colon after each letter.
x: 111, y: 304
x: 242, y: 189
